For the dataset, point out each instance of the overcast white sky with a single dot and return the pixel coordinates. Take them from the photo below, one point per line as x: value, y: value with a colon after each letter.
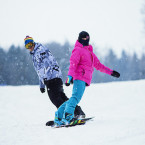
x: 110, y: 23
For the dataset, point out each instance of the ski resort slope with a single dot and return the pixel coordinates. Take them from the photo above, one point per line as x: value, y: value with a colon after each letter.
x: 118, y: 107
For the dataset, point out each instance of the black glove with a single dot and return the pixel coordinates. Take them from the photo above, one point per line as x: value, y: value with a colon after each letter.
x: 42, y: 90
x: 115, y: 74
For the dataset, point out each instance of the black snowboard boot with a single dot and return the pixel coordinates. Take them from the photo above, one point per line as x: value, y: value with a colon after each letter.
x: 78, y: 113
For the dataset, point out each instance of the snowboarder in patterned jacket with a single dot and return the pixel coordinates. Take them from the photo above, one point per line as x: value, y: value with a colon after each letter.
x: 49, y: 73
x: 82, y: 64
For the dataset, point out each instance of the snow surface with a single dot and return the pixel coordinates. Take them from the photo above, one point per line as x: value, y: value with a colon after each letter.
x: 118, y: 107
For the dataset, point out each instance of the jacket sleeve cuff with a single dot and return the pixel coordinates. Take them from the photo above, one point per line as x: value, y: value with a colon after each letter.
x: 41, y: 84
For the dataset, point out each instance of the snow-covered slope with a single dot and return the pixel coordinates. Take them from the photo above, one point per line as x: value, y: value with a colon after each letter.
x: 119, y: 110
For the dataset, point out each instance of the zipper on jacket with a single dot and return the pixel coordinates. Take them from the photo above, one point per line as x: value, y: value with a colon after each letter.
x: 83, y: 72
x: 91, y: 56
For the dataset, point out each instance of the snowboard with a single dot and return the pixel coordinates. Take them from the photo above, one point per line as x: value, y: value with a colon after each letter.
x: 84, y: 120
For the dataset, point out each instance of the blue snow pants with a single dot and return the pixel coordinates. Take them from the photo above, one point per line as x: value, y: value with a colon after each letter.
x: 69, y: 106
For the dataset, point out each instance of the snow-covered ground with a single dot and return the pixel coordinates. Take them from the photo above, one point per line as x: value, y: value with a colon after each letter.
x: 118, y: 107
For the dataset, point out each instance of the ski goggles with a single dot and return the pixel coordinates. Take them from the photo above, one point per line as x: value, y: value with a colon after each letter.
x: 29, y: 45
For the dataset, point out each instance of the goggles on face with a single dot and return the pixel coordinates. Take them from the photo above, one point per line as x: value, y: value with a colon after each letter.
x: 29, y: 45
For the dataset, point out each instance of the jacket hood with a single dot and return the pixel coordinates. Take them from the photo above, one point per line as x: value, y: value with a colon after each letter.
x: 78, y: 44
x: 35, y: 48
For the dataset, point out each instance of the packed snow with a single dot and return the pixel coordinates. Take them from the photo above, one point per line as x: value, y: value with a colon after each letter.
x: 118, y: 108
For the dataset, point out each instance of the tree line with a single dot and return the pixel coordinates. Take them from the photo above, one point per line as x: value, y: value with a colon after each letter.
x: 16, y: 66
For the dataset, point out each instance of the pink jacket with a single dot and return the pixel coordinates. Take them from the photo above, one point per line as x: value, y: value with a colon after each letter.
x: 82, y: 63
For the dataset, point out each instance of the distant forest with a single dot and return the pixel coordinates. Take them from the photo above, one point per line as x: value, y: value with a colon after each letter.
x: 16, y: 66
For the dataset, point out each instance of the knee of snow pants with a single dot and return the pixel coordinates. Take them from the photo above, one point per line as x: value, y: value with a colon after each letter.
x: 55, y: 91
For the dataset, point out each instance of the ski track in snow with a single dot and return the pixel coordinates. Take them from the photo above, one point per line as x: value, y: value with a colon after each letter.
x: 118, y: 107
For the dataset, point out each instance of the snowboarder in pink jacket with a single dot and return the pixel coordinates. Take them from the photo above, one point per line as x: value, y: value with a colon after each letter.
x: 82, y: 64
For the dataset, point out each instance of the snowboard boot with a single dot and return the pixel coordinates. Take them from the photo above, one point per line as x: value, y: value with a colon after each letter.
x: 57, y: 121
x: 78, y: 113
x: 71, y: 121
x: 67, y: 117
